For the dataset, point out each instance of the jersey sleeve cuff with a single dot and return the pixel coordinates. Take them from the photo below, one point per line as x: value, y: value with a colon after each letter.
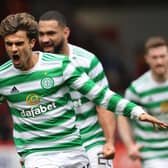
x: 137, y: 112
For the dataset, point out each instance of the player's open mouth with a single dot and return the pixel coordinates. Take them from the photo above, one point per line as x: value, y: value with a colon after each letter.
x: 16, y: 59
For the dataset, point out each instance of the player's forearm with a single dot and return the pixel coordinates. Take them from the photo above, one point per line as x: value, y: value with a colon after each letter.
x: 125, y: 131
x: 108, y: 123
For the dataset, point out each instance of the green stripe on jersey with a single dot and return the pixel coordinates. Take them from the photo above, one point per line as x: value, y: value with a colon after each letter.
x: 153, y: 96
x: 63, y: 146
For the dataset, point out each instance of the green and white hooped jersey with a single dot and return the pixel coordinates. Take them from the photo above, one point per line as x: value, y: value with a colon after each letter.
x: 41, y: 107
x: 153, y: 97
x: 87, y: 121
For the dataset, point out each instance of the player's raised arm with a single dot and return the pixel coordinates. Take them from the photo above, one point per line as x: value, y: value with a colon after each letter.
x: 105, y: 97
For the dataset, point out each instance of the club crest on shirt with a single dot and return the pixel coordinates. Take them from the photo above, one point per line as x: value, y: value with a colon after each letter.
x: 47, y: 83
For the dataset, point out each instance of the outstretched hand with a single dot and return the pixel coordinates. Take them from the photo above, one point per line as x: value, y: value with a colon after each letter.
x: 151, y: 119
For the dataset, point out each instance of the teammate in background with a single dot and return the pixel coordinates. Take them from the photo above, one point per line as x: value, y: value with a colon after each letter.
x: 36, y: 87
x: 53, y: 38
x: 150, y: 91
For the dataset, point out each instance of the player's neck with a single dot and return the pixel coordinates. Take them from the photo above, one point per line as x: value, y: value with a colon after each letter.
x: 33, y: 61
x: 160, y: 78
x: 65, y: 49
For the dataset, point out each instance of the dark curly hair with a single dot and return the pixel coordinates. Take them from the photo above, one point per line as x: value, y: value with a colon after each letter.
x: 19, y: 21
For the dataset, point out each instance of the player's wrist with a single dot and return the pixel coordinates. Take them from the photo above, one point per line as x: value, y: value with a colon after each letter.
x: 110, y: 141
x: 137, y: 113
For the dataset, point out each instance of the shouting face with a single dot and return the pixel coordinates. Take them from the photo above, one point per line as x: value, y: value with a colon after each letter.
x: 19, y: 48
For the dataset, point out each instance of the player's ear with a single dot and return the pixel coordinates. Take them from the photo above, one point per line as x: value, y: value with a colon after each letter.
x: 66, y: 32
x: 32, y: 42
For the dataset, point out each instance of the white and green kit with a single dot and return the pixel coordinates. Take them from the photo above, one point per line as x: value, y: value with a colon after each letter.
x: 153, y: 96
x: 87, y: 121
x: 41, y: 107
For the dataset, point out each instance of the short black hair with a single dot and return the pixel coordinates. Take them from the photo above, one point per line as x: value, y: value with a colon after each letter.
x: 54, y: 15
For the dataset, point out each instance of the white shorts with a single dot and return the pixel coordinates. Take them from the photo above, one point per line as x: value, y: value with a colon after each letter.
x: 62, y: 159
x: 156, y: 163
x: 96, y: 158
